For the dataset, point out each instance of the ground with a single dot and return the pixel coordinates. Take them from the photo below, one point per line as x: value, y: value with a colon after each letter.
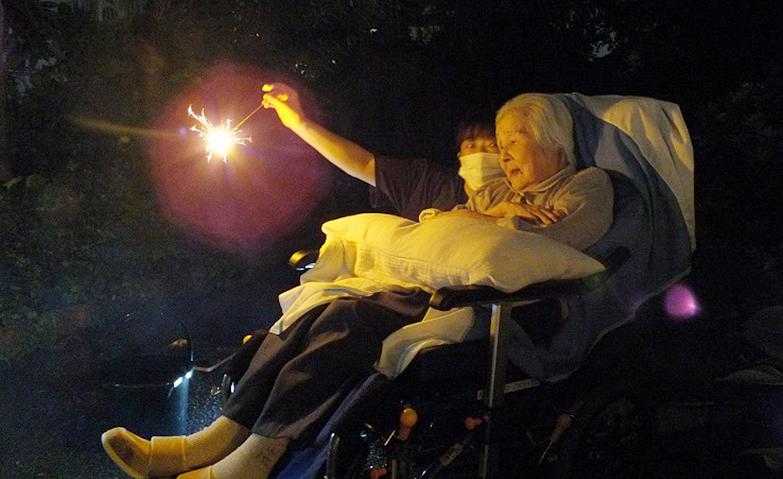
x: 54, y: 414
x: 55, y: 410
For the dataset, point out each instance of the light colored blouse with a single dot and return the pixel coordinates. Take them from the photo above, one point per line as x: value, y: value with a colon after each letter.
x: 585, y: 199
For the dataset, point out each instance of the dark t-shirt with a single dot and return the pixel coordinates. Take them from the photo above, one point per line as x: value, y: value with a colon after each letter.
x: 410, y: 186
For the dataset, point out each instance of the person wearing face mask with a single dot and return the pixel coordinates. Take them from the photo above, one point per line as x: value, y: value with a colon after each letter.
x: 479, y: 164
x: 407, y: 185
x: 479, y: 168
x: 542, y: 192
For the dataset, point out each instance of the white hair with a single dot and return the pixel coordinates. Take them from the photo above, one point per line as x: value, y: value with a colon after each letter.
x: 547, y: 119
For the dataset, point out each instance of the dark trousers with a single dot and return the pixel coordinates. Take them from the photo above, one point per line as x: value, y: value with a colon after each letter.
x: 297, y: 379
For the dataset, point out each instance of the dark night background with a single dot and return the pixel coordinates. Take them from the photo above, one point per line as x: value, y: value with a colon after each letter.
x: 91, y: 261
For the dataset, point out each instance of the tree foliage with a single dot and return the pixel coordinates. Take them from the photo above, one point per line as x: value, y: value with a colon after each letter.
x: 83, y: 239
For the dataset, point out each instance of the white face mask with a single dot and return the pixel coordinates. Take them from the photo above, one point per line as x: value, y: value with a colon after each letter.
x: 477, y: 169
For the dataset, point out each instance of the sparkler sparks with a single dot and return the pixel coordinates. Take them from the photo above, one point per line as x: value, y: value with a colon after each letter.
x: 219, y: 138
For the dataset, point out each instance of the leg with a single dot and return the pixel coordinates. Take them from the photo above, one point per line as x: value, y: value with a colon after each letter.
x: 245, y: 404
x: 163, y: 456
x: 342, y: 343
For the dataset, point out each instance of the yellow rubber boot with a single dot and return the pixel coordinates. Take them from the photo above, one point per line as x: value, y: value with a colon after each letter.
x: 164, y: 456
x: 140, y: 458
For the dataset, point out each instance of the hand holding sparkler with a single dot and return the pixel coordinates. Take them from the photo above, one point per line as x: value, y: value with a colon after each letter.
x: 221, y: 138
x: 285, y: 101
x: 341, y: 152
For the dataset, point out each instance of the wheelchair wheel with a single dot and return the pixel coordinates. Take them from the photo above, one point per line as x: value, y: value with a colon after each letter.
x: 411, y: 464
x: 612, y: 437
x: 227, y: 386
x: 358, y: 451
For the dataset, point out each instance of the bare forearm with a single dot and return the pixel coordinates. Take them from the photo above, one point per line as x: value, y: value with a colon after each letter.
x: 341, y: 152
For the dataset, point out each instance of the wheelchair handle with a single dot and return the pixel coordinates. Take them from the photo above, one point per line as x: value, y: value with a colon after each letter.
x: 303, y: 259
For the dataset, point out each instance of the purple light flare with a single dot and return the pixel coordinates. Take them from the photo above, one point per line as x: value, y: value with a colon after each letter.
x: 681, y: 302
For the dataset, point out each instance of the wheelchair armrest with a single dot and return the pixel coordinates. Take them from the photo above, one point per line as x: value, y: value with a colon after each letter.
x: 454, y: 296
x: 303, y: 259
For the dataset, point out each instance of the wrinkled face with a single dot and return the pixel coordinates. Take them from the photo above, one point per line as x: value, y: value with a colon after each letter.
x: 523, y: 160
x: 479, y: 144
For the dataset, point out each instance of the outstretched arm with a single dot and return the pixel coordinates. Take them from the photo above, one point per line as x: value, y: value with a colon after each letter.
x: 341, y: 152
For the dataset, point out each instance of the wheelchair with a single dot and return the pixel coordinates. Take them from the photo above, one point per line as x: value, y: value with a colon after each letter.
x: 488, y: 418
x: 463, y: 423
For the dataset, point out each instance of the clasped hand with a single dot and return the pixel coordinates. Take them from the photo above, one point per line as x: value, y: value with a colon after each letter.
x: 530, y: 213
x: 505, y: 209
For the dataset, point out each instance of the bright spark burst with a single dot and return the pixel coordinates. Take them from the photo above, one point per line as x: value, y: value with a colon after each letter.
x: 219, y: 138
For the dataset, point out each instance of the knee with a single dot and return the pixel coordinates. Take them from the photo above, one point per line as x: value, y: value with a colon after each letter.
x: 341, y: 313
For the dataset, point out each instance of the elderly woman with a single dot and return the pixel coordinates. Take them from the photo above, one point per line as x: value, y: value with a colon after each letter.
x: 542, y: 191
x: 294, y: 380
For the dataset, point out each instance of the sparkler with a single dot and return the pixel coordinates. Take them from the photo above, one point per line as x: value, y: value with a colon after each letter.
x: 219, y: 138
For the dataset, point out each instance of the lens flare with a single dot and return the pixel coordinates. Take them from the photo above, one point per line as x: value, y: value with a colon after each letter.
x: 219, y: 139
x: 681, y: 302
x: 266, y: 190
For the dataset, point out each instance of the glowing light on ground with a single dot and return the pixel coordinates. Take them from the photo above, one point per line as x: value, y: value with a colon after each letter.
x: 681, y: 302
x: 219, y: 138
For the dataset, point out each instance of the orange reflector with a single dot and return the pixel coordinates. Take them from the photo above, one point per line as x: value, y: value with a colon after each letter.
x: 376, y: 472
x: 408, y: 417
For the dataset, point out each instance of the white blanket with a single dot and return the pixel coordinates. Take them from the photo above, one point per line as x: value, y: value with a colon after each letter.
x: 372, y: 252
x: 399, y: 348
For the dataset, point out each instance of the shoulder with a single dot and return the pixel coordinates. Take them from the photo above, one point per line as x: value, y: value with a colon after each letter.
x: 406, y: 164
x: 412, y: 185
x: 498, y: 184
x: 589, y: 178
x: 592, y: 175
x: 391, y: 171
x: 494, y: 188
x: 489, y: 195
x: 592, y: 185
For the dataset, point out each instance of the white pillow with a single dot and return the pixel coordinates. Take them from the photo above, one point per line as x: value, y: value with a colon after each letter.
x: 450, y: 251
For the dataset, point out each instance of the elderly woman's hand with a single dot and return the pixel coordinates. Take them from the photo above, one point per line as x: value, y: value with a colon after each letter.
x: 432, y: 213
x: 530, y: 213
x: 285, y: 101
